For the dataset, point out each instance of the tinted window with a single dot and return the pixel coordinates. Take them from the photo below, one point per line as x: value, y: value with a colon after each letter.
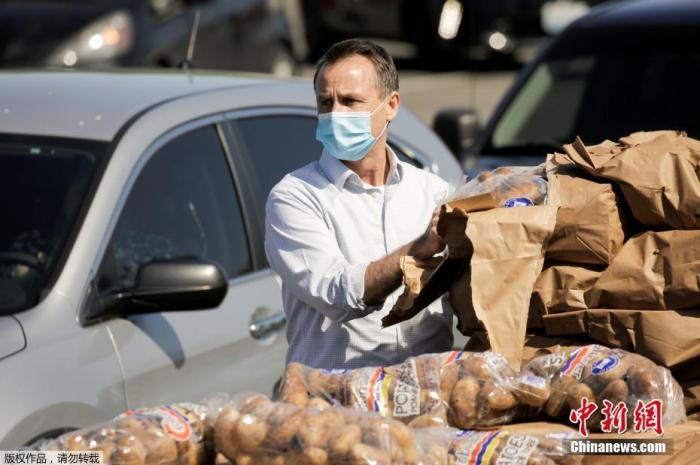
x: 605, y: 84
x: 182, y: 206
x: 272, y: 146
x: 44, y: 183
x: 277, y: 145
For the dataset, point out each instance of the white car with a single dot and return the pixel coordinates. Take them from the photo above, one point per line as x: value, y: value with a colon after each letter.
x: 132, y: 270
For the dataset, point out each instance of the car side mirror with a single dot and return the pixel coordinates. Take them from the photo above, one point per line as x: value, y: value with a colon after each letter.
x: 457, y: 127
x: 172, y: 285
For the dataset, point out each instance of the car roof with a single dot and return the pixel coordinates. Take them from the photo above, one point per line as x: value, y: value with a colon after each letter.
x: 96, y: 105
x: 642, y: 13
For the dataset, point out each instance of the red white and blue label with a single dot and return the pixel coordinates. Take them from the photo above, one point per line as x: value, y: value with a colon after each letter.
x: 575, y: 363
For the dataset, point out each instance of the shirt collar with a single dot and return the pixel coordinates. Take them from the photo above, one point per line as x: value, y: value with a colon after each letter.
x: 337, y: 173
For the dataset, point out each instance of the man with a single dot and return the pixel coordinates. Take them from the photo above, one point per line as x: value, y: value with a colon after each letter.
x: 336, y: 228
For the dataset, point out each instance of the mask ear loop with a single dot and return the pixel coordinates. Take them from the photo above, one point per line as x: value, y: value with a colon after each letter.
x: 381, y: 133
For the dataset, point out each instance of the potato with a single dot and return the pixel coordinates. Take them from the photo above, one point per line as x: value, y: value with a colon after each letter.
x: 405, y: 440
x: 317, y: 427
x: 557, y: 398
x: 429, y: 400
x: 576, y: 393
x: 375, y: 433
x: 645, y: 382
x: 476, y: 366
x: 363, y: 454
x: 318, y: 403
x: 224, y: 431
x: 194, y: 453
x: 428, y: 421
x: 616, y: 391
x: 448, y: 378
x: 244, y: 459
x: 248, y: 434
x: 266, y: 458
x: 434, y: 454
x: 538, y: 458
x: 324, y: 384
x: 257, y: 405
x: 532, y: 390
x: 294, y: 385
x: 129, y: 450
x: 488, y: 417
x: 162, y: 449
x: 284, y: 425
x: 462, y: 411
x: 484, y: 176
x: 496, y: 397
x: 314, y: 456
x: 343, y: 440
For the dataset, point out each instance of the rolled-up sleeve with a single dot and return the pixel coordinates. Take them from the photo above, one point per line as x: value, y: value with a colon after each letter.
x: 303, y: 251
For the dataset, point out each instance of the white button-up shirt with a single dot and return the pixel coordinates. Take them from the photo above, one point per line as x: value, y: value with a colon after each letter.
x: 324, y: 225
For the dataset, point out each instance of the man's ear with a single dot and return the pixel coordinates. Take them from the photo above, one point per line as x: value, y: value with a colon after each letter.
x: 393, y: 102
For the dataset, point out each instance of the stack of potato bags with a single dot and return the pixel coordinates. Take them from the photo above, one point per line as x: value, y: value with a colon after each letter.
x: 623, y: 261
x: 610, y: 255
x: 434, y: 409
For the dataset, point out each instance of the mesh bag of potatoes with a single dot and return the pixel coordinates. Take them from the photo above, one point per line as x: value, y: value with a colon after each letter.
x: 462, y: 389
x: 449, y: 446
x: 556, y: 383
x: 172, y: 434
x: 255, y: 430
x: 507, y: 186
x: 409, y: 391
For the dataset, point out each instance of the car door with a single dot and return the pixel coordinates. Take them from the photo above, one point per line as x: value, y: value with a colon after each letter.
x: 184, y: 204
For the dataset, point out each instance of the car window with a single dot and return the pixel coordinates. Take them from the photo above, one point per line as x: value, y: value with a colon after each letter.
x: 45, y: 183
x: 182, y: 206
x: 279, y: 144
x: 272, y: 146
x: 601, y: 85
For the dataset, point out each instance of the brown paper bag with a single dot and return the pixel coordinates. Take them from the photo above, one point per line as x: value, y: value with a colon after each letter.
x: 415, y: 274
x: 670, y: 338
x: 425, y: 281
x: 507, y: 258
x: 560, y: 288
x: 654, y: 270
x: 657, y: 172
x: 589, y: 224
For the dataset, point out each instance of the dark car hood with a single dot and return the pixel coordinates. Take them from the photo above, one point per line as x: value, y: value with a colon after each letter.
x: 31, y: 30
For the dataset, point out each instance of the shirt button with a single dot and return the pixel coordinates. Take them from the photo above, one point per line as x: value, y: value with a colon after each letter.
x: 375, y: 194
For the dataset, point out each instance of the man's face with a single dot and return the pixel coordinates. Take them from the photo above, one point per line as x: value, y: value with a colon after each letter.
x: 351, y: 84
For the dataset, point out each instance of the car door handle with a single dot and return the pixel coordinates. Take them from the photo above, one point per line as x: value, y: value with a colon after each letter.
x: 264, y: 322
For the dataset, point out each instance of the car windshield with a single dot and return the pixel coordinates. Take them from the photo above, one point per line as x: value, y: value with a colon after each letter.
x: 43, y: 185
x: 600, y: 86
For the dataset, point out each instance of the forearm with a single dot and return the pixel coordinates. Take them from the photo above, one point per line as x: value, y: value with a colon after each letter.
x: 383, y: 276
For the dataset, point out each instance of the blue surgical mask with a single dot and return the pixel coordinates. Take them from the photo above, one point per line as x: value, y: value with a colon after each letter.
x: 347, y: 135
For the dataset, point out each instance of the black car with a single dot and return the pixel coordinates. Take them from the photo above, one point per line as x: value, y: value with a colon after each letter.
x: 626, y: 66
x: 249, y: 35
